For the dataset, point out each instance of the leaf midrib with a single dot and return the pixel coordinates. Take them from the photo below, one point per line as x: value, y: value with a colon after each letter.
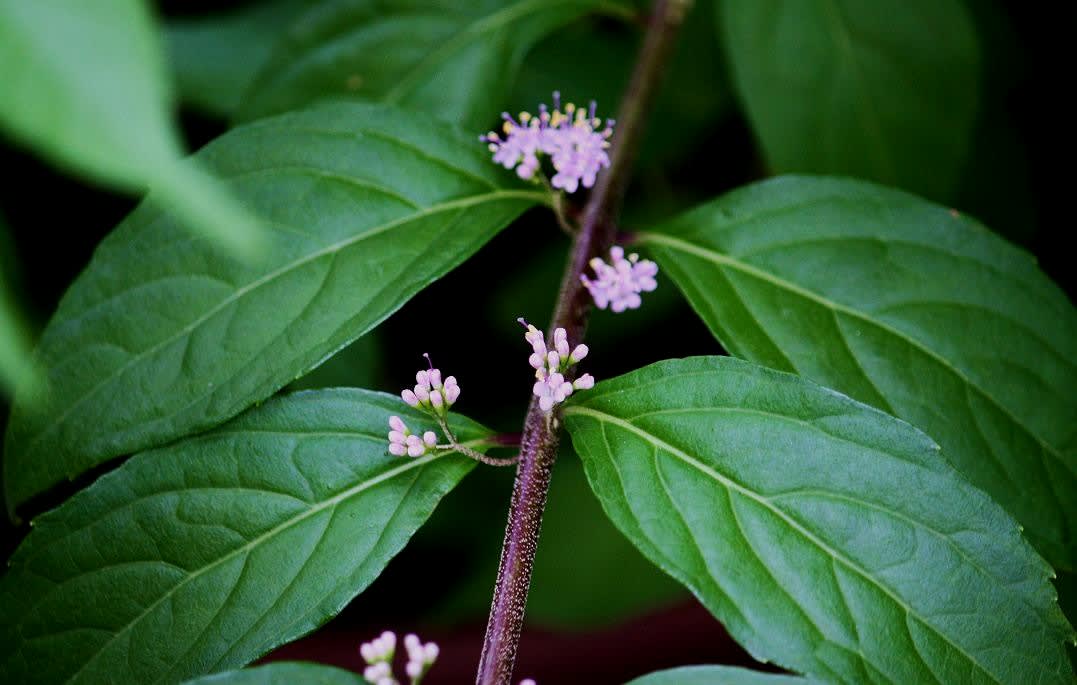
x: 730, y: 484
x: 270, y: 277
x: 254, y: 542
x: 726, y: 260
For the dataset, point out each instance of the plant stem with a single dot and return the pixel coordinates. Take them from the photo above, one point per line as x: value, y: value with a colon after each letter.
x: 538, y: 446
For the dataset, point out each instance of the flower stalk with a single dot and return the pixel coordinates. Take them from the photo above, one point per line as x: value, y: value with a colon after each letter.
x: 538, y: 445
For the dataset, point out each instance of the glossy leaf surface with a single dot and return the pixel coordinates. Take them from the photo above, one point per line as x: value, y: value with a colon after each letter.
x: 203, y: 555
x: 908, y: 306
x: 161, y: 337
x: 828, y: 537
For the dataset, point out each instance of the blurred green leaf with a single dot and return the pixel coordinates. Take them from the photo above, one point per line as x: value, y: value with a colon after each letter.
x: 160, y: 337
x: 86, y: 86
x: 216, y: 57
x: 206, y: 554
x: 455, y: 60
x: 693, y: 96
x: 15, y: 366
x: 885, y: 90
x: 282, y: 673
x: 907, y: 306
x: 827, y: 537
x: 718, y: 675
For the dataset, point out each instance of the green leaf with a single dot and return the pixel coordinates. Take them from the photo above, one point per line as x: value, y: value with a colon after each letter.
x: 906, y: 306
x: 215, y: 58
x: 453, y: 59
x: 283, y: 673
x: 85, y: 86
x: 718, y: 675
x: 885, y: 90
x: 161, y: 337
x: 205, y: 554
x: 827, y: 536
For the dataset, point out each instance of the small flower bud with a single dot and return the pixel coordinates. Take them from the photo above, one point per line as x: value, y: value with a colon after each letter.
x: 414, y: 669
x: 397, y: 424
x: 410, y: 398
x: 436, y: 400
x: 452, y: 393
x: 584, y: 382
x: 579, y: 353
x: 422, y: 378
x: 435, y: 377
x: 430, y: 438
x: 397, y: 449
x: 422, y: 393
x: 411, y: 643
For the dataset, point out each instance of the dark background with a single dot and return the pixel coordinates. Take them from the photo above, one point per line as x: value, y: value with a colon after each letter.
x: 439, y: 586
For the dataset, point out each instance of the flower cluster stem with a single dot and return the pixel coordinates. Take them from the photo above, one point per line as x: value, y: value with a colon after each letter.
x: 538, y: 445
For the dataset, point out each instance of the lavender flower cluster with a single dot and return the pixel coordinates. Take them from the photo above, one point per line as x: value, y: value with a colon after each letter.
x: 550, y: 366
x: 617, y: 285
x: 573, y: 139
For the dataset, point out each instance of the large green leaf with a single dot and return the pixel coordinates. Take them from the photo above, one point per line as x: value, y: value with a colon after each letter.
x: 827, y: 536
x: 886, y: 90
x: 205, y: 554
x: 283, y: 673
x: 86, y: 86
x: 454, y: 59
x: 718, y: 675
x: 160, y: 337
x: 907, y: 306
x: 216, y: 57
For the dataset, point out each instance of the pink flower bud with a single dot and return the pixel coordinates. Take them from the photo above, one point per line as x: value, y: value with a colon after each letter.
x: 422, y: 393
x: 562, y: 347
x: 546, y: 403
x: 536, y: 360
x: 397, y: 437
x: 584, y: 382
x: 436, y: 399
x: 411, y: 643
x: 410, y: 398
x: 452, y: 393
x: 416, y: 450
x: 397, y: 449
x: 414, y: 669
x: 579, y: 353
x: 430, y: 652
x: 435, y: 377
x: 553, y: 360
x: 430, y: 439
x: 397, y: 424
x: 422, y: 378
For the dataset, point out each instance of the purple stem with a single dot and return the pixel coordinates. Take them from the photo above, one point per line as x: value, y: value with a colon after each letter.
x: 538, y: 446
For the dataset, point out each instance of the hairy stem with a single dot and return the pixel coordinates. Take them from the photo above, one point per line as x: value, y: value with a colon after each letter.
x: 538, y: 446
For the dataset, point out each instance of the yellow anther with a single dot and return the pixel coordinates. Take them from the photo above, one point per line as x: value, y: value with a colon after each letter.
x: 492, y: 147
x: 525, y: 117
x: 570, y: 108
x: 507, y: 127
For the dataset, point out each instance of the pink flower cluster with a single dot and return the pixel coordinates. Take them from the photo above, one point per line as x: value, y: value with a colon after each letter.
x: 573, y: 139
x: 402, y: 441
x: 430, y: 394
x: 617, y: 285
x: 550, y: 366
x: 379, y: 652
